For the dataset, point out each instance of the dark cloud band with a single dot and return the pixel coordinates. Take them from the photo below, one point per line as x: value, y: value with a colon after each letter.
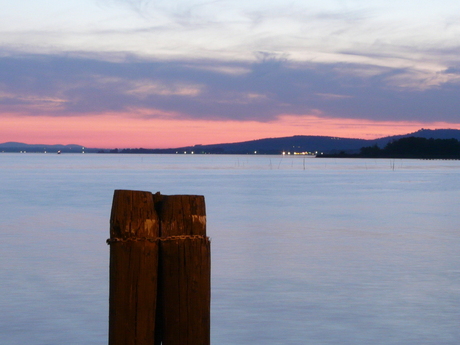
x: 209, y: 89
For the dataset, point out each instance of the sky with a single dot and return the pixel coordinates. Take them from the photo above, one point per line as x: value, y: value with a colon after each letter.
x: 158, y: 74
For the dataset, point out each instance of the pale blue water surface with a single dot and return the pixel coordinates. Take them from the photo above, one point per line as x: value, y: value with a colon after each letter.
x: 304, y: 250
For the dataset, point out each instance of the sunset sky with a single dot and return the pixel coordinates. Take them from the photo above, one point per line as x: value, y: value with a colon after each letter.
x: 156, y: 74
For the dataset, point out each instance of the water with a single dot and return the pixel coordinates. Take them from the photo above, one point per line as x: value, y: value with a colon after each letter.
x: 304, y: 251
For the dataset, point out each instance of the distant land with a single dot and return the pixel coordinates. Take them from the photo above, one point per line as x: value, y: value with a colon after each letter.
x: 304, y: 144
x: 407, y: 147
x: 12, y: 146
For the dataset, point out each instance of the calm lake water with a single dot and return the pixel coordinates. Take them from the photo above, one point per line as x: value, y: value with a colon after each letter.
x: 304, y: 250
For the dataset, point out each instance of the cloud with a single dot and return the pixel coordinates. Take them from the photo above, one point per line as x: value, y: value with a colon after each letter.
x: 331, y: 96
x: 145, y: 88
x: 262, y: 91
x: 452, y: 70
x: 415, y: 35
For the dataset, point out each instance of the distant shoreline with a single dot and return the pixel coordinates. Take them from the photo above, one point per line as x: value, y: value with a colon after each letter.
x: 423, y: 144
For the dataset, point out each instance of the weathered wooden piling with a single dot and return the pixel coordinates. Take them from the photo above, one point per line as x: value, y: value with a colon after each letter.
x: 159, y: 270
x: 134, y: 229
x: 184, y: 284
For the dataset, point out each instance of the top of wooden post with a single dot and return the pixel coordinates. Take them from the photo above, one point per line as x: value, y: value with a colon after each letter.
x: 181, y: 214
x: 133, y: 215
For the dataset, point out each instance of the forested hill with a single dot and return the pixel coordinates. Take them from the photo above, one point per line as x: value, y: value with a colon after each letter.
x: 415, y: 147
x: 298, y: 143
x: 408, y: 147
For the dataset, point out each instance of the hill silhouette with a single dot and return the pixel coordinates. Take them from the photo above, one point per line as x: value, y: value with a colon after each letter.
x: 13, y: 146
x: 302, y: 143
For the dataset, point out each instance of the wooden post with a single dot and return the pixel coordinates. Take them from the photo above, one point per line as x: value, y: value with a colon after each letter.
x: 185, y: 265
x: 133, y: 268
x: 160, y: 278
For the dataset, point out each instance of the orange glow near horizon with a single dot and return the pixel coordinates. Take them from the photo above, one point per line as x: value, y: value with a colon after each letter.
x: 110, y: 131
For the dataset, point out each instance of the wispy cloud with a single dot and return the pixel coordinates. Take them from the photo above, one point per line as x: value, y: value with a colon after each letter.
x: 409, y: 34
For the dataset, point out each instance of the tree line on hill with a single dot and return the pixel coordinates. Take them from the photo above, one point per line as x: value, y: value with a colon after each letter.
x: 409, y: 147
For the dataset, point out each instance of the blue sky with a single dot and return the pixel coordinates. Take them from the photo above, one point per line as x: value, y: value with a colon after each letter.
x: 380, y: 61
